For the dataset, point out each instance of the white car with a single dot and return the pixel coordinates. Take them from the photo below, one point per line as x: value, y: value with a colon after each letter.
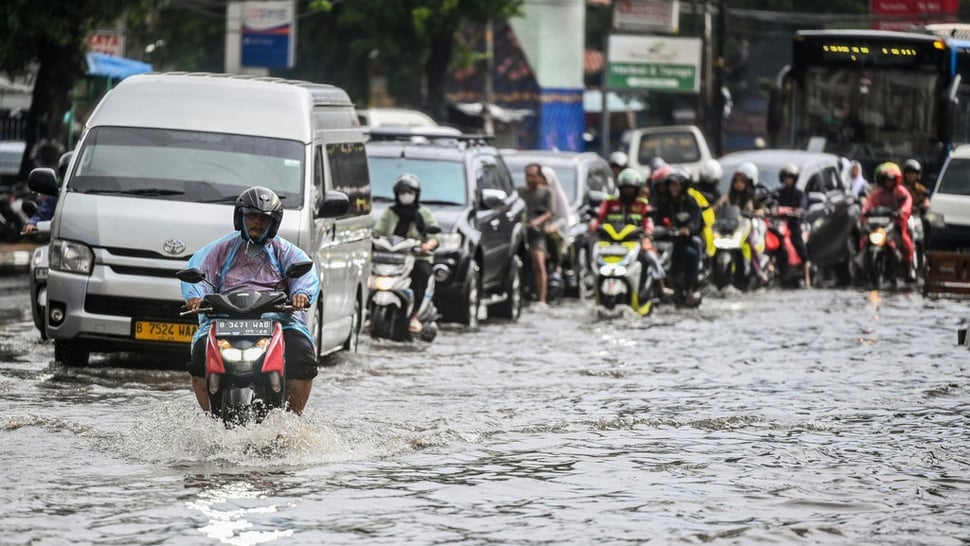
x: 951, y: 203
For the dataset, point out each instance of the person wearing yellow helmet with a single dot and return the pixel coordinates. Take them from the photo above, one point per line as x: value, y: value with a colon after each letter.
x: 891, y: 193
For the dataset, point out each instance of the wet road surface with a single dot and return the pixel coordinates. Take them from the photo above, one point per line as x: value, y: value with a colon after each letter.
x: 810, y: 417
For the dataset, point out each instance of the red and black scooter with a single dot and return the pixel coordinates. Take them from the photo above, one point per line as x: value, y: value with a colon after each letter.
x: 788, y: 265
x: 245, y: 368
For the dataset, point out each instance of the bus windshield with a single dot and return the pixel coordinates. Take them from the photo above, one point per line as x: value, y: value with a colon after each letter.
x: 872, y: 114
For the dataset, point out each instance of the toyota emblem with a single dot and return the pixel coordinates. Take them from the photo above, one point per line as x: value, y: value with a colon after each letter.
x: 173, y: 246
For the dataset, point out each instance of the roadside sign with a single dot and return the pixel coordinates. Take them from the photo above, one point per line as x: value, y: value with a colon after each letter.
x: 109, y: 42
x: 269, y: 34
x: 657, y: 63
x: 647, y: 15
x: 902, y: 14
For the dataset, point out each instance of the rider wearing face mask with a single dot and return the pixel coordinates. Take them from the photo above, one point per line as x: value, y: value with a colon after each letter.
x: 254, y: 258
x: 407, y: 218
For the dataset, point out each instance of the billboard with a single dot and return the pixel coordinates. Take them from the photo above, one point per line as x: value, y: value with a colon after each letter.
x: 647, y: 15
x: 109, y: 42
x: 269, y: 34
x: 902, y: 14
x: 657, y: 63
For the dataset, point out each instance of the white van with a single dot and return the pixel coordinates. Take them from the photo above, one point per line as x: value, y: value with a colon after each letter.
x: 681, y: 145
x: 153, y: 179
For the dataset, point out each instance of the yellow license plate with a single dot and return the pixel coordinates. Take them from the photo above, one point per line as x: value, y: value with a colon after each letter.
x: 165, y: 331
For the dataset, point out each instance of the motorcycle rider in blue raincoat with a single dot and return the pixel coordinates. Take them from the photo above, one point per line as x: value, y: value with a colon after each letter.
x: 254, y: 258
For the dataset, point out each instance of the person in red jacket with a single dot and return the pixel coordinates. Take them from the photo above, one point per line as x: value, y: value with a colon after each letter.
x: 890, y: 192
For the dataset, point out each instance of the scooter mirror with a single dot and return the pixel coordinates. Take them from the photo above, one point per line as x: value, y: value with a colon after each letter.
x: 29, y: 207
x: 190, y: 275
x: 433, y: 230
x: 298, y: 269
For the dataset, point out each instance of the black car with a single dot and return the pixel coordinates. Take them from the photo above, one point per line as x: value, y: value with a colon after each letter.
x: 465, y: 183
x: 832, y: 215
x: 579, y: 174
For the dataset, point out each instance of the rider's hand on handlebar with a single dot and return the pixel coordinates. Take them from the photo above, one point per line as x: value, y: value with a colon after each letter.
x: 428, y: 245
x: 193, y: 304
x: 300, y: 301
x: 685, y: 231
x: 29, y: 228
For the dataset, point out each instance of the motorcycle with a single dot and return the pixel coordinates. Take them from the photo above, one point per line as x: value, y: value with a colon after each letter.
x: 666, y: 238
x: 882, y: 257
x: 732, y: 263
x: 391, y: 300
x: 618, y: 270
x: 245, y: 368
x: 784, y: 259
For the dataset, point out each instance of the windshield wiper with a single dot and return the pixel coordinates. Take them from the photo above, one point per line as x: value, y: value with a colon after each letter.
x: 224, y: 199
x: 441, y: 202
x: 382, y: 198
x: 151, y: 192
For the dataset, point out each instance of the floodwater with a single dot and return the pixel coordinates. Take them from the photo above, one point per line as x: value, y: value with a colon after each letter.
x: 799, y: 417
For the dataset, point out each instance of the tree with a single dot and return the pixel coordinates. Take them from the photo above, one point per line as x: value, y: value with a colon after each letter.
x: 51, y: 34
x: 412, y: 41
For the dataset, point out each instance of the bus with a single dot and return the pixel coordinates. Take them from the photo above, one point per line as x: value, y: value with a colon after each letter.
x: 874, y: 96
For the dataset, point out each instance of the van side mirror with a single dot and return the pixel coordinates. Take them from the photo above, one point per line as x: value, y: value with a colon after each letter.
x: 595, y: 198
x: 298, y: 269
x: 493, y: 198
x: 43, y: 180
x: 335, y: 204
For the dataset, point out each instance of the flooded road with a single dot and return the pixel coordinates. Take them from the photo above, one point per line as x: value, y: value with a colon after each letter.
x: 811, y: 417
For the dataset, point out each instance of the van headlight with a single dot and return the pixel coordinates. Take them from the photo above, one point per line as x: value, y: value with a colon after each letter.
x: 449, y: 242
x: 71, y: 257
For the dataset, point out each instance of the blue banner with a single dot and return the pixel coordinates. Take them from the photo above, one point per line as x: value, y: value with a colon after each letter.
x: 563, y: 120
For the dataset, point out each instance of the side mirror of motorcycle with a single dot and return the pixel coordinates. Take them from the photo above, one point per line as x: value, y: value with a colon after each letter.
x: 298, y: 269
x: 192, y: 276
x: 682, y: 218
x: 595, y: 198
x: 43, y: 180
x: 28, y: 207
x: 433, y: 230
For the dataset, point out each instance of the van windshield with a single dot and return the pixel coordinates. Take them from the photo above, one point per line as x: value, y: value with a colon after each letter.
x: 187, y: 165
x: 674, y: 147
x: 442, y: 182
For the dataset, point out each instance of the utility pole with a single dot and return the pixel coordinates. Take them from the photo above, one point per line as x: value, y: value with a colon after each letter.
x: 489, y: 82
x: 720, y: 31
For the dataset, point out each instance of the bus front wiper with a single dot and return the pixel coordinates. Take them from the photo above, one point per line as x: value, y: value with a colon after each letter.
x: 440, y: 202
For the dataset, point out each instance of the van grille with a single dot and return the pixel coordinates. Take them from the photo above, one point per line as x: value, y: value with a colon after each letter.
x: 131, y: 307
x: 142, y: 253
x: 144, y: 271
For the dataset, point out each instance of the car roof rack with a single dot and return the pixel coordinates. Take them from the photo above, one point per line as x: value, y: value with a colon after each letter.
x: 427, y: 135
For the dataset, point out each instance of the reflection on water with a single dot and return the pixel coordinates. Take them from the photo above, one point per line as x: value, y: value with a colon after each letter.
x: 819, y: 417
x: 229, y: 502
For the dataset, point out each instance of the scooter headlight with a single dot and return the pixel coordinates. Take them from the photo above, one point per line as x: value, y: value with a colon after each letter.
x: 383, y: 283
x: 878, y: 237
x: 250, y: 354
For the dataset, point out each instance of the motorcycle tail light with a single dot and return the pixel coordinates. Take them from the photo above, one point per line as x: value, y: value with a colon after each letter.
x: 878, y: 237
x: 213, y: 354
x: 273, y: 360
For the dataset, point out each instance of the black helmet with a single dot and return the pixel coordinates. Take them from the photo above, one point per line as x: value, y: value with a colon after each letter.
x: 678, y: 175
x: 788, y: 170
x: 259, y: 200
x: 407, y: 182
x: 63, y: 162
x: 912, y: 165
